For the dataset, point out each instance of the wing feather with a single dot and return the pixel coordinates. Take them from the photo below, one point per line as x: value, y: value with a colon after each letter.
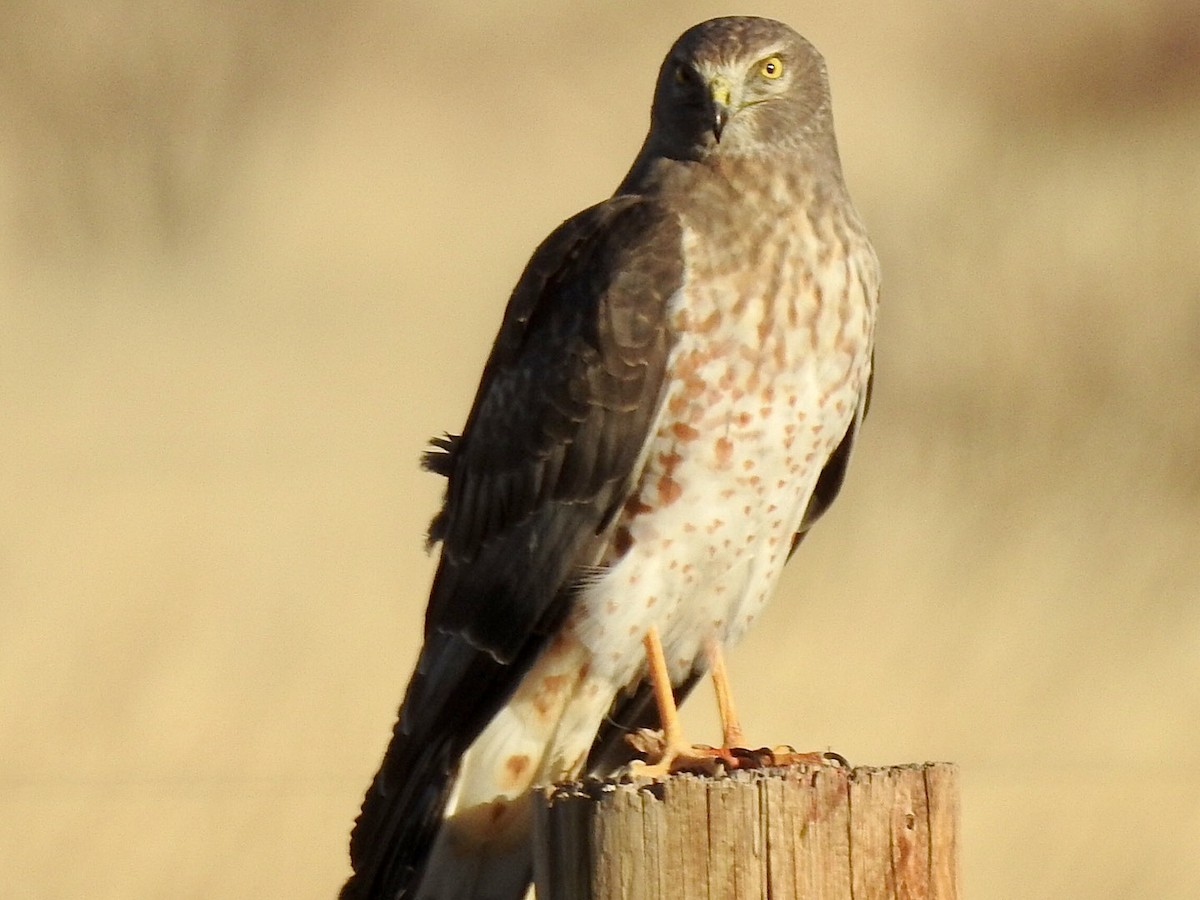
x: 566, y: 400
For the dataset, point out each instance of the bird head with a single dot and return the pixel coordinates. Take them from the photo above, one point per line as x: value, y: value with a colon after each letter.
x: 740, y: 85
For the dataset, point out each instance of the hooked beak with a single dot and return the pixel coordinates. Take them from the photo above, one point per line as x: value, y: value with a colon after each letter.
x: 720, y: 90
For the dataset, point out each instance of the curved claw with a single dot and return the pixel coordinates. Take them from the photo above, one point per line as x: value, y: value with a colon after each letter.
x: 701, y: 759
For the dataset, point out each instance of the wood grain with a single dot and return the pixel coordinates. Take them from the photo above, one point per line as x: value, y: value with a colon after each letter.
x: 796, y: 833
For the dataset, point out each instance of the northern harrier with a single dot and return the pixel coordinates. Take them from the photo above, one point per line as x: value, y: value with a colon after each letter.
x: 669, y: 405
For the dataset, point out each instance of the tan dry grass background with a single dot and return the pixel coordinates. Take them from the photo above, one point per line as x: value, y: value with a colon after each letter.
x: 251, y: 256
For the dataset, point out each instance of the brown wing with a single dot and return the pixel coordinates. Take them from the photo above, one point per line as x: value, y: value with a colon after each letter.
x: 567, y: 398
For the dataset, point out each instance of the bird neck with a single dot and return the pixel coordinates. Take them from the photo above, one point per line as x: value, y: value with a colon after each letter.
x: 734, y: 179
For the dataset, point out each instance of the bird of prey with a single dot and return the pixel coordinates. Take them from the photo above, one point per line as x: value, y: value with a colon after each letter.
x: 670, y: 404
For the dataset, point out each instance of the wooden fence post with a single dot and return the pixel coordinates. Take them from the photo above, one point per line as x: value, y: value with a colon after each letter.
x: 796, y: 833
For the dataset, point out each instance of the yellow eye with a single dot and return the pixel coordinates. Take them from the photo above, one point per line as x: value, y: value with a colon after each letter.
x: 771, y: 67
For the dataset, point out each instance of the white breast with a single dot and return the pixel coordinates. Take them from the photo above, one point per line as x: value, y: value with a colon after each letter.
x: 761, y: 393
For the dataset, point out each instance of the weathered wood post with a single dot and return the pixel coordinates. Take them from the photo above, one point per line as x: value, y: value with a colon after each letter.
x: 795, y: 833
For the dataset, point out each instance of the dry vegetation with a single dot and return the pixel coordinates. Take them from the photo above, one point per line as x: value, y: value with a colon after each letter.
x: 249, y: 260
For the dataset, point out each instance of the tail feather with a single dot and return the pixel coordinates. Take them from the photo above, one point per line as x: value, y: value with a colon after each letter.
x: 461, y: 867
x: 454, y: 692
x: 400, y: 819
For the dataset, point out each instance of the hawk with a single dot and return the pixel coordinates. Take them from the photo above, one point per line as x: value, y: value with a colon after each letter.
x: 670, y: 404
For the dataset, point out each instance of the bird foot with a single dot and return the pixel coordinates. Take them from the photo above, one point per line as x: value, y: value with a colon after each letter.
x: 783, y: 755
x: 664, y: 758
x: 701, y: 759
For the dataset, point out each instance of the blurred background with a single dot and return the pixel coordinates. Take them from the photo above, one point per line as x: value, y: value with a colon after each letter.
x: 253, y: 255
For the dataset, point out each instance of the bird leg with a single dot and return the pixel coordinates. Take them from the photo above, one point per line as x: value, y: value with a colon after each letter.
x: 668, y: 748
x: 672, y: 753
x: 671, y: 748
x: 731, y: 728
x: 734, y: 751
